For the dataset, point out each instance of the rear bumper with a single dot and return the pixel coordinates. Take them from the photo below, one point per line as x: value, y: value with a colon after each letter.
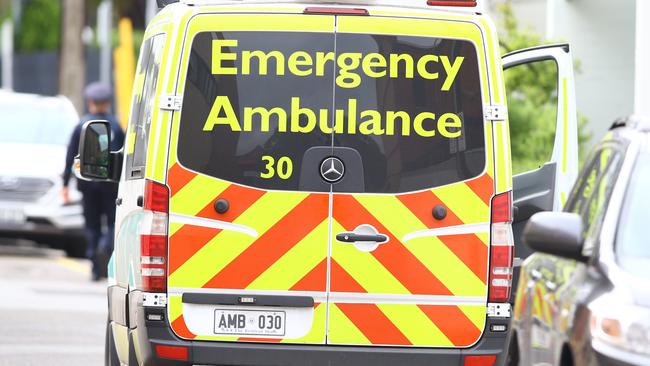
x: 148, y: 334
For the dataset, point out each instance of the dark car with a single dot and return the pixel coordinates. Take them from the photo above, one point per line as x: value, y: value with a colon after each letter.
x: 587, y: 300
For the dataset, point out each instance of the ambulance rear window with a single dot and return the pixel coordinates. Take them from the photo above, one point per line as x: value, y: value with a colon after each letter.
x: 257, y: 104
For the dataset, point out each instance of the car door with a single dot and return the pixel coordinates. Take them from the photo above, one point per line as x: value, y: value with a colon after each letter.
x: 410, y: 212
x: 543, y: 133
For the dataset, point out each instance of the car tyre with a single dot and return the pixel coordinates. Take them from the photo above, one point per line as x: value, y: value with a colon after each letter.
x: 513, y: 352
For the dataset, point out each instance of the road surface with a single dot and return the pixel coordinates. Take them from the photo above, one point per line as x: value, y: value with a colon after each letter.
x: 50, y: 312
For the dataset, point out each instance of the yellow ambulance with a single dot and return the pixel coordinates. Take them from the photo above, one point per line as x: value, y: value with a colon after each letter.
x: 321, y: 183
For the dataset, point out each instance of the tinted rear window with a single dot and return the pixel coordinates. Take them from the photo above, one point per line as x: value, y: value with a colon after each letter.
x: 257, y: 104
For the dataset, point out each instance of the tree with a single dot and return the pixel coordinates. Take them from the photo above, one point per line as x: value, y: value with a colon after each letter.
x: 532, y: 99
x: 72, y: 73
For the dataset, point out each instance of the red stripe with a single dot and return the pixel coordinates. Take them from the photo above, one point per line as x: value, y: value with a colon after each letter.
x: 273, y: 244
x: 186, y: 242
x: 315, y: 280
x: 239, y: 198
x: 178, y: 177
x: 394, y: 256
x: 341, y: 281
x: 421, y: 204
x: 189, y: 239
x: 483, y: 186
x: 373, y: 324
x: 453, y: 323
x: 468, y: 248
x: 471, y: 250
x: 180, y: 328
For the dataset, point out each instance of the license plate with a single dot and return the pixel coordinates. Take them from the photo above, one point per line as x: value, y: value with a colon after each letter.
x: 249, y: 322
x: 11, y: 216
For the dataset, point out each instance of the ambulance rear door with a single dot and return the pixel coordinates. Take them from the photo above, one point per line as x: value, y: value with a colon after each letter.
x: 249, y: 212
x: 543, y: 184
x: 411, y: 203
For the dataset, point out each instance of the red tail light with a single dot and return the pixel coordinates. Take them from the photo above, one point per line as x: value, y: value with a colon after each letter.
x: 483, y: 360
x: 501, y: 248
x: 172, y: 352
x: 467, y: 3
x: 153, y: 238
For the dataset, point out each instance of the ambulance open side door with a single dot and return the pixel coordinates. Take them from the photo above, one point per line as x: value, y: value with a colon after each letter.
x: 547, y: 187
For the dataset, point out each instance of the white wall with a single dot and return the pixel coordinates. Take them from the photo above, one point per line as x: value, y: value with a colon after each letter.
x: 602, y: 37
x: 642, y: 87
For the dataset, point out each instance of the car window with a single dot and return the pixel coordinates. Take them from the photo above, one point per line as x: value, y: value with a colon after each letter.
x: 408, y: 108
x: 426, y: 128
x: 146, y: 80
x: 592, y: 192
x: 632, y: 247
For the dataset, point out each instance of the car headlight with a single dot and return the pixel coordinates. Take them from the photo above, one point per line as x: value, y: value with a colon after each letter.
x: 621, y: 324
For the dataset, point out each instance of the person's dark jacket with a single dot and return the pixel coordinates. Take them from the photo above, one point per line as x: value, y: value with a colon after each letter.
x: 117, y: 141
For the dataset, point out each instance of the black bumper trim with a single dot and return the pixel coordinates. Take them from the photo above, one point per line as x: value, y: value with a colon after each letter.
x: 248, y: 300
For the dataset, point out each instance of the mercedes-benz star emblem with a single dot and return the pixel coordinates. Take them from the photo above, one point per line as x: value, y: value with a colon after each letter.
x: 332, y: 169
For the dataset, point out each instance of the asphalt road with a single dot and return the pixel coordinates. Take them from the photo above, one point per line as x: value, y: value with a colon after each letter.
x: 50, y: 312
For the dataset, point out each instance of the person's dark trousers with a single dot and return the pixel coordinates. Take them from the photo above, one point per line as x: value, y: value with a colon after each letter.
x: 99, y: 207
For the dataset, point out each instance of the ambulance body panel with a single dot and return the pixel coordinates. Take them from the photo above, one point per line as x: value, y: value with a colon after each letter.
x: 302, y: 183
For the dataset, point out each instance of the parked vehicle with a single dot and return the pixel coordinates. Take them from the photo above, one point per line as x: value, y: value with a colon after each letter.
x: 308, y: 183
x: 587, y: 300
x: 34, y: 132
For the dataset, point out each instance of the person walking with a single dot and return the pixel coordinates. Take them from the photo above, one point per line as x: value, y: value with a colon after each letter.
x: 98, y: 198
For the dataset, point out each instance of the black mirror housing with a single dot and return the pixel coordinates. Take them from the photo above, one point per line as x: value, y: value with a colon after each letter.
x: 556, y: 233
x: 96, y: 162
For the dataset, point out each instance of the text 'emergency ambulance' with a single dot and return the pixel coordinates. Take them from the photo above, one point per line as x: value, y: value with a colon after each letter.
x: 228, y: 59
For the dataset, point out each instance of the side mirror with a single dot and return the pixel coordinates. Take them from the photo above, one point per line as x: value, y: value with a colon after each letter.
x: 556, y: 233
x: 96, y: 161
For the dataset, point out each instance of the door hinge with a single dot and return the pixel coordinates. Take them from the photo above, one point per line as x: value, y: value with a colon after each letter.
x: 154, y: 299
x: 171, y: 102
x: 501, y: 310
x: 496, y: 112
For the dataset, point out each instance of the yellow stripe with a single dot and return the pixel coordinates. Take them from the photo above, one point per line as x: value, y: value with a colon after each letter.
x: 175, y: 306
x: 296, y: 263
x: 174, y: 227
x: 415, y: 325
x: 489, y: 149
x: 228, y: 245
x: 460, y: 199
x: 476, y: 314
x: 342, y: 330
x: 196, y: 194
x: 501, y: 156
x: 431, y: 251
x: 364, y: 267
x: 565, y: 114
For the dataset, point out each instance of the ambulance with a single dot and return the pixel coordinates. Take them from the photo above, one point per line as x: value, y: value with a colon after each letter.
x: 321, y: 183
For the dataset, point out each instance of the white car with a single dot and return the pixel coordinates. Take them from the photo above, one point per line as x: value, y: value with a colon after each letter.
x: 34, y: 133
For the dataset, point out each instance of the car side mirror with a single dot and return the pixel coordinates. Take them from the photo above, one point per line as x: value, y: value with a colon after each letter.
x: 96, y: 161
x: 556, y: 233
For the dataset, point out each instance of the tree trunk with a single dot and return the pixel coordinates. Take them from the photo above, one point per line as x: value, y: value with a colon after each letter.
x: 72, y: 73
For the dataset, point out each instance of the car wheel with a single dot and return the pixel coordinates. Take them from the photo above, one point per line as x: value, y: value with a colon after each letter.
x: 513, y: 352
x: 110, y: 353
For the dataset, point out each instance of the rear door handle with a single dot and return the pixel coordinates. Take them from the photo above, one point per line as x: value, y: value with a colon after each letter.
x: 352, y: 238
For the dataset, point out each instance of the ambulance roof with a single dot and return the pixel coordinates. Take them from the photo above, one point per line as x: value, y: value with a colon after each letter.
x: 412, y: 4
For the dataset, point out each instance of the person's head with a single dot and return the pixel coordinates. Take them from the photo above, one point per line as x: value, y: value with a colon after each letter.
x: 98, y: 96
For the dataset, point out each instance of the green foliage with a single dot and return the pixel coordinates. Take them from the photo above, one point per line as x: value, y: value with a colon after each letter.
x: 532, y: 99
x: 40, y: 26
